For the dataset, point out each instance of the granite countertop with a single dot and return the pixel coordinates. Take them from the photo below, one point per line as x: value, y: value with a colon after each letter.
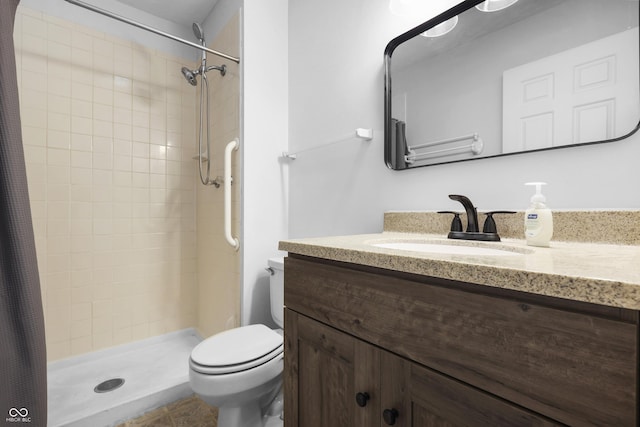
x: 607, y: 274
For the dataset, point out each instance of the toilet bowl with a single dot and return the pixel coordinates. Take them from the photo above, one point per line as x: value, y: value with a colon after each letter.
x: 239, y: 371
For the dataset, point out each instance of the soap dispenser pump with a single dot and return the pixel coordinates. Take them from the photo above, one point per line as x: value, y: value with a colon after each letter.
x: 538, y: 220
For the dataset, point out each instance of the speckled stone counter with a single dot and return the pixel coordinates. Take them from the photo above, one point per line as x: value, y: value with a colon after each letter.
x: 607, y: 274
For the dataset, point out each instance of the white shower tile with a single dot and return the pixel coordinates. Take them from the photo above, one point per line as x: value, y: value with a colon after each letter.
x: 81, y: 91
x: 57, y: 324
x: 123, y: 229
x: 81, y: 125
x: 58, y: 210
x: 58, y: 156
x: 122, y: 335
x: 158, y: 137
x: 82, y: 74
x: 34, y: 117
x: 102, y: 340
x: 122, y: 192
x: 122, y: 162
x: 59, y: 298
x: 81, y: 344
x: 158, y: 181
x: 157, y: 166
x: 57, y: 85
x: 81, y: 294
x: 80, y: 118
x: 59, y: 33
x: 33, y: 99
x: 122, y: 131
x: 124, y: 102
x: 139, y: 164
x: 140, y: 149
x: 59, y: 280
x: 81, y: 108
x: 81, y: 311
x: 58, y: 53
x: 81, y: 227
x: 140, y: 119
x: 103, y: 63
x: 81, y: 142
x: 140, y: 134
x: 102, y: 96
x: 59, y: 350
x: 103, y: 128
x: 81, y: 40
x: 82, y: 244
x: 58, y: 104
x: 81, y: 159
x: 61, y: 123
x: 57, y: 137
x: 103, y: 112
x: 81, y: 261
x: 103, y: 161
x: 57, y: 192
x: 80, y: 176
x: 103, y: 48
x: 33, y: 24
x: 33, y: 62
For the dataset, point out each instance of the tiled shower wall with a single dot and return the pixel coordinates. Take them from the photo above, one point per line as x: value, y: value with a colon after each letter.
x: 218, y: 262
x: 109, y: 135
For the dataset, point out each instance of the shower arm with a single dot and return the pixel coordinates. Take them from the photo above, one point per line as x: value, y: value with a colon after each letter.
x: 151, y: 29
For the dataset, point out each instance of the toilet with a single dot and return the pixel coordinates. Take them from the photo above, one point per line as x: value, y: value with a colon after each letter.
x: 239, y: 371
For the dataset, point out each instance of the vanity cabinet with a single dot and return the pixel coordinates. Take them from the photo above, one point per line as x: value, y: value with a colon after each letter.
x: 372, y: 347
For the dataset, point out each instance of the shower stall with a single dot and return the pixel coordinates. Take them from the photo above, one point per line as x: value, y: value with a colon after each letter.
x: 130, y: 244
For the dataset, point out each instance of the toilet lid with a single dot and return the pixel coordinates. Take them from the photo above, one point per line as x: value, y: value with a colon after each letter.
x: 239, y: 346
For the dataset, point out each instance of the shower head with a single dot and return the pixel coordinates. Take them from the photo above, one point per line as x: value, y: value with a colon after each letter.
x: 198, y: 32
x: 190, y: 75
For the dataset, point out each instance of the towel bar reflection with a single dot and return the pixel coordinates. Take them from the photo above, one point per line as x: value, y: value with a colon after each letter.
x: 475, y: 147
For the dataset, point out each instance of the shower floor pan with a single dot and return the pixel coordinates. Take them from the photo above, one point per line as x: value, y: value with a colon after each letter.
x: 155, y: 372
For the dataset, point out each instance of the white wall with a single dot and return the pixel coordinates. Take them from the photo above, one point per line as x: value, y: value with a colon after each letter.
x: 265, y: 98
x: 336, y: 85
x: 221, y: 14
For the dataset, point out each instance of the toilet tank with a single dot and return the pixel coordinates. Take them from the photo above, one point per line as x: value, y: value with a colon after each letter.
x: 276, y: 285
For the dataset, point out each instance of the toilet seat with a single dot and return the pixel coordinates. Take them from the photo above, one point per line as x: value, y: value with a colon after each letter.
x: 236, y: 350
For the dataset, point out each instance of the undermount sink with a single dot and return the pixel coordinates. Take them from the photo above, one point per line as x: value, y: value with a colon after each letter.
x: 449, y: 248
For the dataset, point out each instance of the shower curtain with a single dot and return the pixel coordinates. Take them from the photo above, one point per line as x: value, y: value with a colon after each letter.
x: 23, y: 362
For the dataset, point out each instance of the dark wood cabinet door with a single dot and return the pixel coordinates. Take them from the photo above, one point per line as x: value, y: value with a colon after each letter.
x: 325, y: 370
x: 414, y: 396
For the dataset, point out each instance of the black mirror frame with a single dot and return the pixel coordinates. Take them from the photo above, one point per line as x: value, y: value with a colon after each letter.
x: 390, y: 156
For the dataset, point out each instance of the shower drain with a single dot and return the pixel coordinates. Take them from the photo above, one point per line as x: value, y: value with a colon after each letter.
x: 109, y: 385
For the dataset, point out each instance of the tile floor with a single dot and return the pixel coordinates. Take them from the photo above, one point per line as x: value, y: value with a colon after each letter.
x: 189, y: 412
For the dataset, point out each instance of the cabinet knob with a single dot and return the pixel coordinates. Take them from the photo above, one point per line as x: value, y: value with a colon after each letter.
x: 390, y: 416
x: 362, y: 399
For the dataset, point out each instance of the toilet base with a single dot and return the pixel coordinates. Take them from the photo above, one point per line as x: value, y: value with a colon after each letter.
x: 263, y: 412
x: 248, y: 416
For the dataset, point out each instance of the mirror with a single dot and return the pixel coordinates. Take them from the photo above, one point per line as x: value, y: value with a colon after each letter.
x: 537, y: 75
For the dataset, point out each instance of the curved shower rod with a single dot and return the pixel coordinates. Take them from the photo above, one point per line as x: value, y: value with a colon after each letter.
x: 151, y: 29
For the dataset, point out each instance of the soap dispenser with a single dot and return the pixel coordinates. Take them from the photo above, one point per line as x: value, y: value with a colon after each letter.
x: 538, y: 220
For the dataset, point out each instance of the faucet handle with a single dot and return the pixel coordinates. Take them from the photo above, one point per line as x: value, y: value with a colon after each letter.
x: 456, y: 224
x: 490, y: 224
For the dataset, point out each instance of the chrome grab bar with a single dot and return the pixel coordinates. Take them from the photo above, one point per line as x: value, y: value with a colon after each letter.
x: 231, y: 146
